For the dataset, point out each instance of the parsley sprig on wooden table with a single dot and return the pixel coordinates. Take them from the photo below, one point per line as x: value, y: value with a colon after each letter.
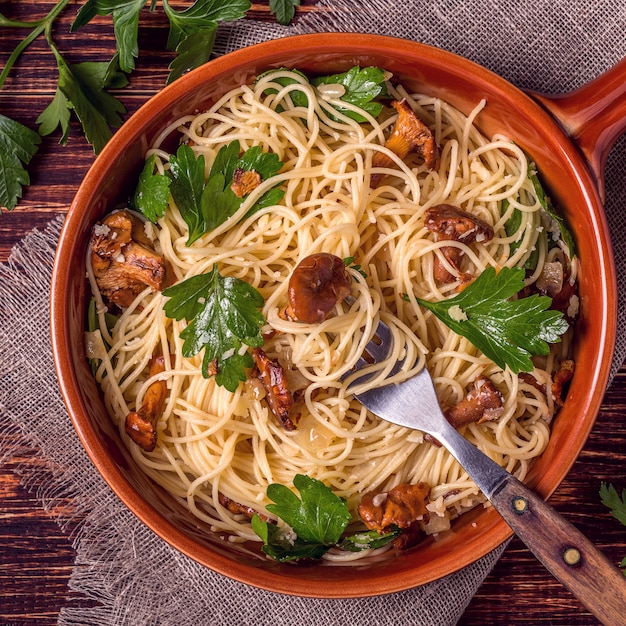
x: 83, y: 88
x: 617, y: 505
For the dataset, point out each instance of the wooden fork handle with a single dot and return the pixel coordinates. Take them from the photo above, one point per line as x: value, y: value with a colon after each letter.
x: 564, y: 551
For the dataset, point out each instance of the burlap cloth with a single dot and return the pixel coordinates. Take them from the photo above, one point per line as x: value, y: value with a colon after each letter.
x: 125, y: 575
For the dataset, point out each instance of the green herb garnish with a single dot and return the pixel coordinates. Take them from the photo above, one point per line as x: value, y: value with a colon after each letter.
x: 362, y: 87
x: 206, y: 205
x: 83, y: 88
x: 315, y: 523
x: 152, y: 192
x: 223, y: 316
x: 548, y: 207
x: 368, y: 540
x: 511, y: 226
x: 507, y: 331
x: 18, y: 145
x: 617, y: 505
x: 284, y: 10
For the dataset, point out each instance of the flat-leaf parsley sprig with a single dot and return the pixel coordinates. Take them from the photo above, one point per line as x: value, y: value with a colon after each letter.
x: 83, y: 89
x: 508, y: 331
x: 205, y: 205
x: 315, y: 523
x: 223, y: 319
x: 617, y: 506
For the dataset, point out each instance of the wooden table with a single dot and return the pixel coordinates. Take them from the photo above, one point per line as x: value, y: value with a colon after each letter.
x: 36, y: 556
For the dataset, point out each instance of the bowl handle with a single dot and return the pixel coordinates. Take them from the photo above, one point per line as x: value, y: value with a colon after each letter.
x: 594, y: 117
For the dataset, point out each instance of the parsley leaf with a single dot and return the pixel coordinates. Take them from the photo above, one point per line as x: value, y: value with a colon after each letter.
x: 125, y: 14
x: 611, y: 499
x: 152, y: 192
x: 284, y: 10
x: 187, y: 187
x: 205, y: 206
x: 315, y: 523
x: 56, y: 114
x: 282, y: 546
x: 362, y: 85
x: 507, y: 331
x: 617, y: 504
x: 369, y: 540
x: 318, y: 517
x: 192, y: 52
x: 222, y: 315
x: 84, y: 86
x: 18, y: 145
x: 192, y: 31
x: 547, y: 206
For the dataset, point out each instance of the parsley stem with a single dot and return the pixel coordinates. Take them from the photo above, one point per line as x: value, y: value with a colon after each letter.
x: 38, y: 27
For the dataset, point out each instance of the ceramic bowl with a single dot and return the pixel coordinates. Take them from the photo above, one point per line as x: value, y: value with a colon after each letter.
x: 569, y: 138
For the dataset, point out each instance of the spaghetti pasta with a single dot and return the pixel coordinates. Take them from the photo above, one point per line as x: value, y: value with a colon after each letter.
x: 213, y: 442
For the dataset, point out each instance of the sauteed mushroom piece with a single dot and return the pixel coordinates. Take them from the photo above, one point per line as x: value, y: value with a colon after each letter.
x: 237, y: 508
x: 315, y: 287
x: 245, y: 181
x: 449, y: 223
x: 141, y: 424
x: 560, y: 378
x: 401, y: 506
x: 279, y: 399
x: 555, y: 282
x: 123, y: 259
x: 482, y: 403
x: 409, y: 134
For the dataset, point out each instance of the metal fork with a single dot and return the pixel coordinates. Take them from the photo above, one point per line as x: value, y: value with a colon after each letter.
x: 564, y: 550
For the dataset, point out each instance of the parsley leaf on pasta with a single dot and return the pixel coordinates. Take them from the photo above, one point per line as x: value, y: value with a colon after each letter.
x: 315, y: 523
x: 205, y: 206
x: 187, y: 187
x: 152, y: 192
x: 507, y: 331
x: 223, y: 316
x: 548, y: 207
x: 362, y: 87
x: 318, y: 518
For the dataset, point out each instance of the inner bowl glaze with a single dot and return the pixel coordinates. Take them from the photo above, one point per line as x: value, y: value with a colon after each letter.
x: 422, y: 69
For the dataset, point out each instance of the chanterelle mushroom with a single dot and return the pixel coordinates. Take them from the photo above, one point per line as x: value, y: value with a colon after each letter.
x: 449, y: 223
x: 278, y: 396
x: 245, y: 181
x: 409, y: 134
x: 482, y: 403
x: 401, y: 506
x: 316, y: 285
x: 140, y: 425
x: 123, y: 259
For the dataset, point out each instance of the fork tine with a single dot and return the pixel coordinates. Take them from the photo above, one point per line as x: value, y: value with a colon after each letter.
x: 379, y: 346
